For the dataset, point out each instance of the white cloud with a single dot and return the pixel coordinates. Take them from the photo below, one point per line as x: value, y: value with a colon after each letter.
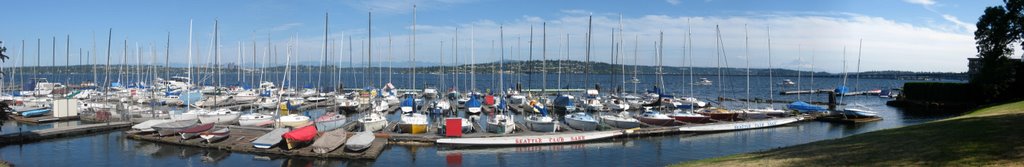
x: 673, y: 2
x: 921, y: 2
x: 961, y: 24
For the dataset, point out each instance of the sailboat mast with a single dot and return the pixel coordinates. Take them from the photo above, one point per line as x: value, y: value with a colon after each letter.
x: 472, y: 58
x: 856, y: 83
x: 319, y: 76
x: 746, y: 52
x: 413, y: 47
x: 771, y: 80
x: 590, y: 21
x: 544, y: 55
x: 501, y: 64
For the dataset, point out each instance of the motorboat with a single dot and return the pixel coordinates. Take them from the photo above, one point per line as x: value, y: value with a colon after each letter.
x: 703, y: 82
x: 787, y: 82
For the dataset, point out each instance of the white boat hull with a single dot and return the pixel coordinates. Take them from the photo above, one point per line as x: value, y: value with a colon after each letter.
x: 581, y: 125
x: 740, y: 125
x: 532, y: 140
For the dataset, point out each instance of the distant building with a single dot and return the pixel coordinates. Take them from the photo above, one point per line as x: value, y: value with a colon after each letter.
x: 974, y: 64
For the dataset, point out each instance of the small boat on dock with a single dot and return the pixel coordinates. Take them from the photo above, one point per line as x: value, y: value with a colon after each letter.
x: 330, y: 141
x: 35, y: 113
x: 270, y: 139
x: 359, y: 142
x: 214, y: 135
x: 172, y: 128
x: 194, y: 131
x: 720, y: 114
x: 299, y: 137
x: 147, y: 126
x: 329, y: 121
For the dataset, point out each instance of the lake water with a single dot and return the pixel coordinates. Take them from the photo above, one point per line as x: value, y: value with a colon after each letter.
x: 113, y: 149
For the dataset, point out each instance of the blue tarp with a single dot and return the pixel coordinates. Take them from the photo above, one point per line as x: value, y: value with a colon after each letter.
x: 842, y: 90
x: 805, y: 107
x: 473, y: 101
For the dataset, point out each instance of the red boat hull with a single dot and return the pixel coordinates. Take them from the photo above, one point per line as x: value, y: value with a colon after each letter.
x: 722, y: 116
x: 659, y: 122
x: 693, y: 119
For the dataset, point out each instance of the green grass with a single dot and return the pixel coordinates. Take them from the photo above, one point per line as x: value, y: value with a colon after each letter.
x: 992, y: 136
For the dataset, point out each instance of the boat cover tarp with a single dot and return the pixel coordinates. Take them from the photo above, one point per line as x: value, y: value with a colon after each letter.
x: 198, y: 128
x: 306, y: 133
x: 805, y: 107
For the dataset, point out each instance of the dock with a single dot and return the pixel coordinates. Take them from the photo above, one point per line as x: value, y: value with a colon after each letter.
x: 52, y: 133
x: 42, y: 119
x: 240, y: 140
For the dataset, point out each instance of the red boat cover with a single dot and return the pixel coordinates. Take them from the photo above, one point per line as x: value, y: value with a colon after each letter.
x: 197, y: 128
x: 306, y: 133
x: 489, y: 100
x: 453, y: 127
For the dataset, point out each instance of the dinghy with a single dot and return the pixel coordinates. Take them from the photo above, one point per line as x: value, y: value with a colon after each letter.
x: 270, y: 139
x: 299, y: 137
x: 172, y: 128
x: 214, y: 135
x: 360, y: 141
x: 147, y: 126
x: 194, y: 131
x: 330, y: 141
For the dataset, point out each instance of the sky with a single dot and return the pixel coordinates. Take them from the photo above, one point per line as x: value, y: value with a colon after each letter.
x: 905, y: 35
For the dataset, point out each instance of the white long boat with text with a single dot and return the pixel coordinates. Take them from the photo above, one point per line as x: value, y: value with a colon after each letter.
x: 532, y: 139
x: 743, y: 125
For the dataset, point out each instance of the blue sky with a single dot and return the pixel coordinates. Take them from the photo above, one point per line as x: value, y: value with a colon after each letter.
x: 913, y: 35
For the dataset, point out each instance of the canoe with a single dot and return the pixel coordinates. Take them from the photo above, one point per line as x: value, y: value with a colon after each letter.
x: 214, y: 135
x: 741, y: 125
x: 270, y: 139
x: 194, y: 131
x: 35, y: 113
x: 172, y: 128
x: 329, y: 121
x: 360, y: 141
x: 330, y: 141
x: 147, y: 126
x: 299, y: 137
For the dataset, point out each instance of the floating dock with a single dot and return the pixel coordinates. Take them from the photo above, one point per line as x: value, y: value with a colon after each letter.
x: 240, y: 140
x: 42, y: 119
x: 37, y: 135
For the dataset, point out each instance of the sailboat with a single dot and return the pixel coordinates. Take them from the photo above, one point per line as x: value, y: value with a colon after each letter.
x: 500, y: 122
x: 542, y: 122
x: 255, y: 119
x: 373, y: 121
x: 842, y: 90
x: 220, y: 116
x: 413, y: 122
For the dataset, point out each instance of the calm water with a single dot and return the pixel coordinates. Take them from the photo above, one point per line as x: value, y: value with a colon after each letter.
x: 112, y: 149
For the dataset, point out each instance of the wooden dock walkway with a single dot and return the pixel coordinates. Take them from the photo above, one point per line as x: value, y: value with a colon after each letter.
x: 43, y: 134
x: 240, y: 140
x: 42, y: 119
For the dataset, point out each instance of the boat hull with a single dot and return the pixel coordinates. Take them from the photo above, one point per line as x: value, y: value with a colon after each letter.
x: 581, y: 125
x: 742, y: 125
x: 532, y: 140
x: 692, y: 119
x: 659, y: 122
x: 621, y: 124
x: 722, y: 116
x: 542, y: 126
x: 500, y: 128
x: 413, y: 128
x: 374, y: 125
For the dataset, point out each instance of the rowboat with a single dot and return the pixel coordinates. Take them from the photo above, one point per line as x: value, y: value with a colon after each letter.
x: 194, y: 131
x: 215, y: 135
x: 299, y: 137
x: 552, y: 138
x: 270, y: 139
x: 360, y: 141
x: 329, y: 121
x: 172, y: 128
x: 147, y: 126
x: 330, y: 141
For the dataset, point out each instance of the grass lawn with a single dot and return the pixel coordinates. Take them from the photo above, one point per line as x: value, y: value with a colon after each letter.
x: 992, y: 136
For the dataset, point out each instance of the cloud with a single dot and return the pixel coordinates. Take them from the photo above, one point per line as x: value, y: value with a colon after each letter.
x: 961, y: 24
x: 673, y: 2
x: 921, y: 2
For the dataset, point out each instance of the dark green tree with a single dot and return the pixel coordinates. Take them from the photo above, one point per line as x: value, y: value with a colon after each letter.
x: 998, y: 28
